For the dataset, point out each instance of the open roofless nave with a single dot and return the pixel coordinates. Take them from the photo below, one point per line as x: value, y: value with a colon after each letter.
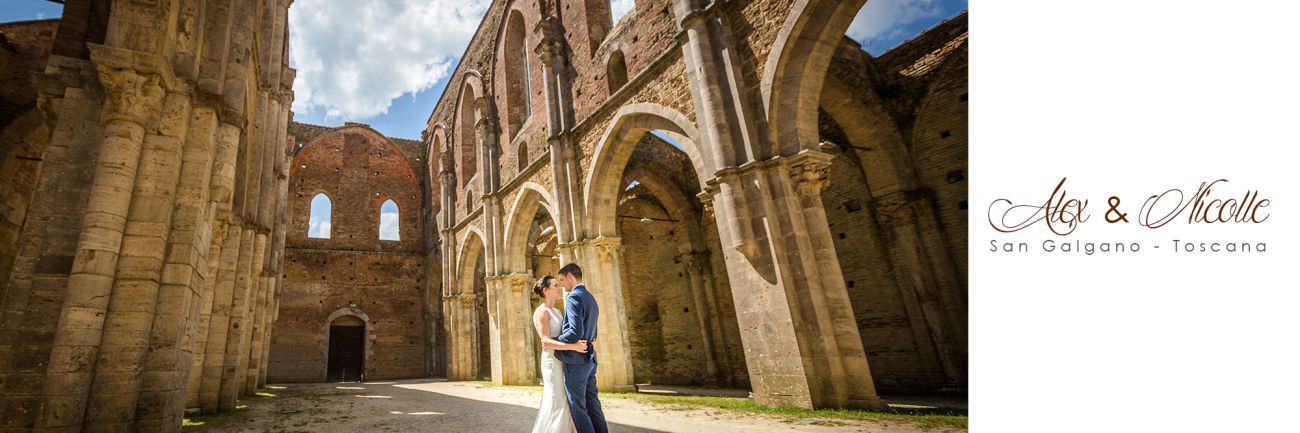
x: 746, y: 189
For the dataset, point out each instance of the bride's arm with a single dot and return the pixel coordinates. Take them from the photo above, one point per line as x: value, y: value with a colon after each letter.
x: 542, y: 325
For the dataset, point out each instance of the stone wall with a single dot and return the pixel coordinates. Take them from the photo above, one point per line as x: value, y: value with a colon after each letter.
x: 147, y: 265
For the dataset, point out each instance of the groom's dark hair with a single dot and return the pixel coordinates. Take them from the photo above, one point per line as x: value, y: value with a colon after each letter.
x: 572, y: 269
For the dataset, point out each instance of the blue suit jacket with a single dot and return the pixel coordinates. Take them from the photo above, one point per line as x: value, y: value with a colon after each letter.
x: 580, y: 316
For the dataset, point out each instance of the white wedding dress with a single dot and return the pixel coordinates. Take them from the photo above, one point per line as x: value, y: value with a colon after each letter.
x: 553, y: 415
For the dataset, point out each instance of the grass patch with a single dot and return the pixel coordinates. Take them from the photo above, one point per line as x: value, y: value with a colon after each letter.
x: 788, y: 414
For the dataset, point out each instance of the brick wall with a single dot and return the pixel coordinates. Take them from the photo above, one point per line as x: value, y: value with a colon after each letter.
x: 359, y: 169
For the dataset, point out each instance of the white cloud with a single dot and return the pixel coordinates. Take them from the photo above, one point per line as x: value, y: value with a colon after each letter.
x: 618, y: 8
x: 885, y: 18
x: 355, y: 56
x: 318, y: 229
x: 388, y: 226
x: 40, y: 15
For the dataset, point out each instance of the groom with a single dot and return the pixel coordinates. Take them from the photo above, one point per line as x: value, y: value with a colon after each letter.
x: 580, y: 314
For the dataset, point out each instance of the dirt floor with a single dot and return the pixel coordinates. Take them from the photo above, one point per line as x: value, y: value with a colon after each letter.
x: 432, y: 405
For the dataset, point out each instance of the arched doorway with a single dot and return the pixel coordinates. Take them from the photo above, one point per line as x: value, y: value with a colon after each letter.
x: 347, y: 350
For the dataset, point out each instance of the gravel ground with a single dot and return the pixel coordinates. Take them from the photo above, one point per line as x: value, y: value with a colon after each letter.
x: 432, y: 405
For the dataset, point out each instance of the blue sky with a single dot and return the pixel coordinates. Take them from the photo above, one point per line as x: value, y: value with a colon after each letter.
x: 386, y: 62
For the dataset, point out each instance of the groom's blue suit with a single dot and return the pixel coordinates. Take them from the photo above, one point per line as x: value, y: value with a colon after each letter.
x: 580, y: 315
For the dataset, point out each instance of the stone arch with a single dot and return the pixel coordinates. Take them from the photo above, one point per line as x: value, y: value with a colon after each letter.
x: 367, y: 340
x: 676, y: 202
x: 531, y: 198
x: 437, y: 146
x: 795, y: 69
x: 472, y: 249
x: 873, y: 136
x: 605, y: 175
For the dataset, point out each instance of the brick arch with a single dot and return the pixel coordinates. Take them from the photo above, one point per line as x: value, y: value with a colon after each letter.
x: 532, y: 197
x: 604, y: 177
x: 795, y: 69
x: 368, y: 346
x: 358, y: 168
x: 513, y: 55
x: 466, y: 129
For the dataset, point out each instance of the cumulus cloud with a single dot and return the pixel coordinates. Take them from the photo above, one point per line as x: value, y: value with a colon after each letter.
x: 318, y: 228
x: 881, y: 19
x: 618, y: 8
x: 388, y: 226
x: 355, y: 56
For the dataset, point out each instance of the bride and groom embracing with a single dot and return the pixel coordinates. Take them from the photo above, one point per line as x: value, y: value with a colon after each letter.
x: 569, y: 401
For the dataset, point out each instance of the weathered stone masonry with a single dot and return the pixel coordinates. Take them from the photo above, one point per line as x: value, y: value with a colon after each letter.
x: 803, y: 233
x: 145, y: 275
x: 756, y: 202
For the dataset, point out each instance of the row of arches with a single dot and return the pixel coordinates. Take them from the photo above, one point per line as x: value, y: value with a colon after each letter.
x: 321, y: 212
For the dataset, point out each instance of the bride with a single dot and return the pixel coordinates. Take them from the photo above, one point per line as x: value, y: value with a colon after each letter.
x: 553, y: 416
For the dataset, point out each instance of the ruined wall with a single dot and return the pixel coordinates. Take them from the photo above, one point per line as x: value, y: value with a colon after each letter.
x: 145, y: 278
x: 352, y: 269
x: 24, y: 49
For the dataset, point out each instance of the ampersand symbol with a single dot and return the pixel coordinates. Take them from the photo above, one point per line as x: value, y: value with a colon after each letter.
x: 1113, y: 201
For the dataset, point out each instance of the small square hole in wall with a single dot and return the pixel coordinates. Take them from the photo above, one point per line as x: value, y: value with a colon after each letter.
x: 962, y: 98
x: 955, y: 176
x: 850, y: 284
x: 852, y: 206
x: 686, y: 309
x: 842, y: 235
x: 945, y: 134
x: 961, y: 205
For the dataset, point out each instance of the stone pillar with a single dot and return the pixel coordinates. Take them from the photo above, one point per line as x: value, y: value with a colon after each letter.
x: 222, y: 257
x: 236, y: 355
x: 559, y: 119
x: 705, y: 311
x: 510, y: 321
x: 602, y: 260
x: 181, y: 300
x: 134, y: 300
x: 132, y: 100
x: 801, y: 341
x: 219, y: 321
x: 462, y: 337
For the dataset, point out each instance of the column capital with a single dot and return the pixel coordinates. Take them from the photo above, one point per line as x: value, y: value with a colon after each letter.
x: 607, y: 248
x: 811, y: 171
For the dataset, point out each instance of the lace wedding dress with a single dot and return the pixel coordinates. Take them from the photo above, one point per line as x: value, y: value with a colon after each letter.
x: 553, y: 416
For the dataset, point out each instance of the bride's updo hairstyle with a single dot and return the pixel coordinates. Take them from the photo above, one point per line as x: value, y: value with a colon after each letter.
x: 541, y: 285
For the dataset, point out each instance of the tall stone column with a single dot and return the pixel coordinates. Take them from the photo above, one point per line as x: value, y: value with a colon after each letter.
x: 510, y: 321
x: 236, y: 355
x: 219, y: 321
x: 181, y: 299
x: 704, y: 309
x: 602, y: 261
x: 133, y: 303
x: 222, y: 257
x: 132, y: 101
x: 559, y: 120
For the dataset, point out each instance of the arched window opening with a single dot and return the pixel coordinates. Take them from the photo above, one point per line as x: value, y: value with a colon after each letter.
x: 518, y: 79
x: 468, y: 136
x: 388, y: 222
x: 318, y: 225
x: 523, y: 155
x: 616, y: 72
